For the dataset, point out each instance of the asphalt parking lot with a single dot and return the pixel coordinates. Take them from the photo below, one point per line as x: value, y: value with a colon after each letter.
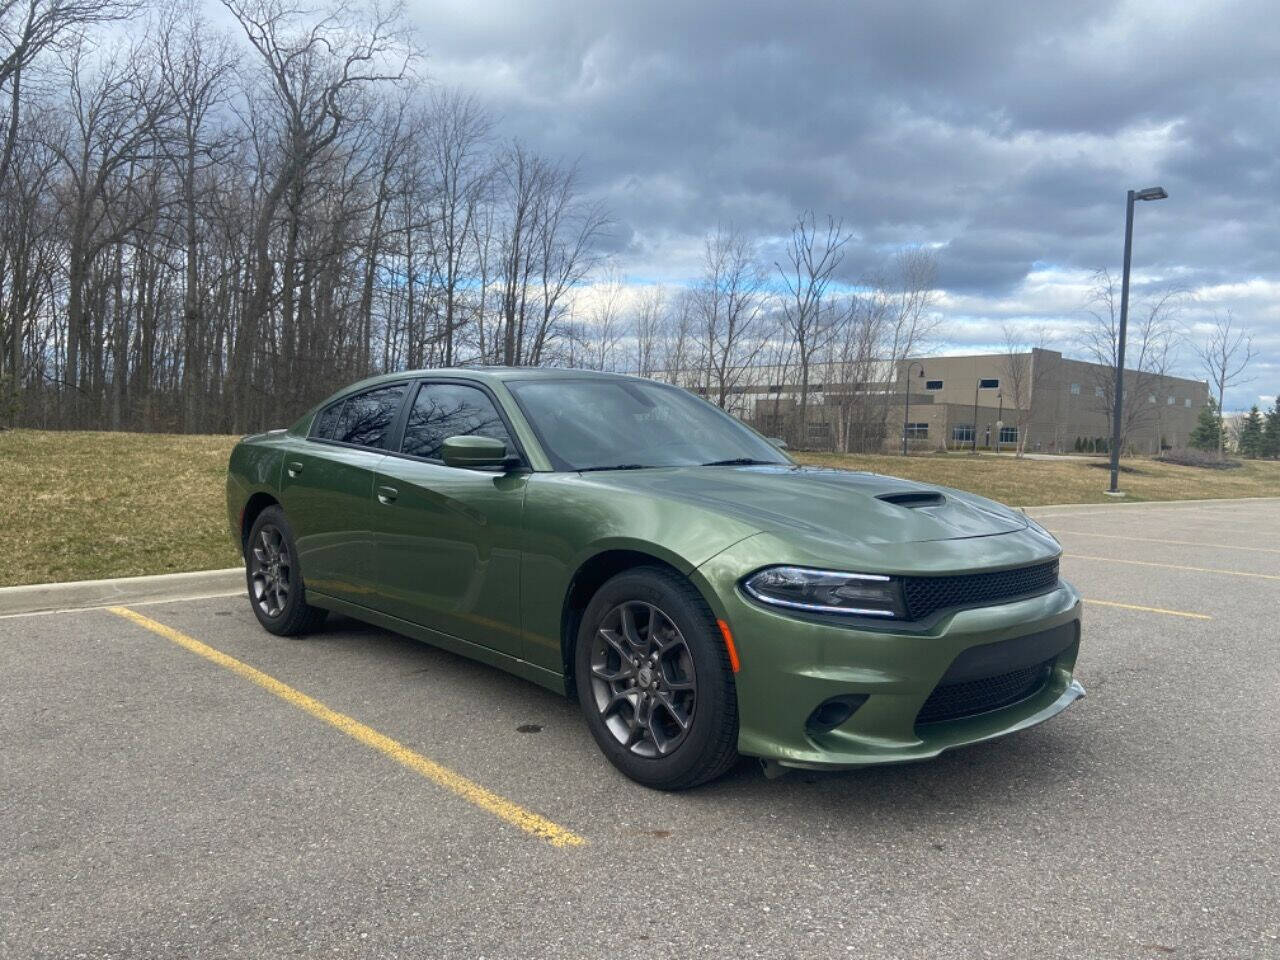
x: 231, y: 796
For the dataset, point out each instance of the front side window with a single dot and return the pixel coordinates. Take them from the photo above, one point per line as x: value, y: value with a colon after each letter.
x: 443, y: 410
x: 585, y: 423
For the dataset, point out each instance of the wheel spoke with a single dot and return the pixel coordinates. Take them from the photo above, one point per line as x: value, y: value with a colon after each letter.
x: 629, y: 629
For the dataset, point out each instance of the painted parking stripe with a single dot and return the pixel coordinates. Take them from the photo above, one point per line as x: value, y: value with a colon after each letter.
x: 1133, y: 606
x: 468, y: 790
x: 1175, y: 566
x: 1184, y: 543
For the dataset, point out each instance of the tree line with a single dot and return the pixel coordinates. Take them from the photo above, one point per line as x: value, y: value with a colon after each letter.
x: 208, y: 228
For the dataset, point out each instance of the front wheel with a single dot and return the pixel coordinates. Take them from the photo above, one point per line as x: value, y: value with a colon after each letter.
x: 276, y: 590
x: 653, y: 677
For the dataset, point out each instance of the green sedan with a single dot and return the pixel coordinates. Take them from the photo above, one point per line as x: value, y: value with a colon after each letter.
x: 631, y: 545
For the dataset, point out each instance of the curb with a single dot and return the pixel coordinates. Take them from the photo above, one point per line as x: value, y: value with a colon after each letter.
x: 1139, y: 504
x: 82, y: 594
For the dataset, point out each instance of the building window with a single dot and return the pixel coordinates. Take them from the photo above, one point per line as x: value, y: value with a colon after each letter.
x: 1187, y: 402
x: 933, y: 384
x: 989, y: 383
x: 1153, y: 399
x: 917, y: 431
x: 1170, y: 401
x: 962, y: 433
x: 1008, y: 434
x: 1097, y: 391
x: 1075, y: 389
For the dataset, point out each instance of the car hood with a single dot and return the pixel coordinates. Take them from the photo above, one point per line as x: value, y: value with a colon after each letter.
x: 864, y: 508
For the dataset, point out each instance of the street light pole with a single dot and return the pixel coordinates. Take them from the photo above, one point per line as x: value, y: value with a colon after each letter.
x: 999, y: 419
x: 906, y: 396
x: 1150, y: 193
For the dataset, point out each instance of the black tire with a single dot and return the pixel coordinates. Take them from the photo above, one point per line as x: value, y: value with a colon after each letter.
x: 277, y: 593
x: 618, y: 697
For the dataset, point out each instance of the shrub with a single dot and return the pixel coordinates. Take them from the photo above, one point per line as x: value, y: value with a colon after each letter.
x: 1191, y: 457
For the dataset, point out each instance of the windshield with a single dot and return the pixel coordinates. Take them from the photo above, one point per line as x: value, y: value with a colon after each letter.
x: 590, y: 424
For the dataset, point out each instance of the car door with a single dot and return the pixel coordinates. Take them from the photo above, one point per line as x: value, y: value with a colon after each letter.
x: 448, y: 538
x: 327, y: 491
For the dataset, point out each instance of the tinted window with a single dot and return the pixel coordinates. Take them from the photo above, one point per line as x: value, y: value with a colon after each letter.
x: 989, y: 384
x: 327, y: 421
x: 601, y: 423
x: 443, y: 410
x: 933, y: 384
x: 366, y: 416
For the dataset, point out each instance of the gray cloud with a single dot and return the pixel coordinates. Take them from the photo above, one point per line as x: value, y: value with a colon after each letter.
x: 1003, y: 133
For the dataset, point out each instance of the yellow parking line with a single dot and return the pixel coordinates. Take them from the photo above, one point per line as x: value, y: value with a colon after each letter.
x: 469, y: 790
x: 1134, y: 606
x: 1176, y: 566
x: 1184, y: 543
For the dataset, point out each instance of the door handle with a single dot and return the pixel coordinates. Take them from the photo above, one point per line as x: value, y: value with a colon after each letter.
x: 294, y: 467
x: 387, y: 494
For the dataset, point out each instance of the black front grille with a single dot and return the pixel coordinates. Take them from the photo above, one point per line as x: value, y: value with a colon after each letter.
x: 925, y: 596
x: 951, y: 701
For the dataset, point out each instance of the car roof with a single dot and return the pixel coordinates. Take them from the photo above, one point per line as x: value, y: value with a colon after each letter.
x: 497, y: 373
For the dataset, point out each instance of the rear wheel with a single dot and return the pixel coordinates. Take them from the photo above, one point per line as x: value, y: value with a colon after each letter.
x: 653, y: 678
x: 276, y: 591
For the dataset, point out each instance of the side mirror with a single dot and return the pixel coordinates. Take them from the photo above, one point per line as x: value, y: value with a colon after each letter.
x: 474, y: 453
x: 777, y: 442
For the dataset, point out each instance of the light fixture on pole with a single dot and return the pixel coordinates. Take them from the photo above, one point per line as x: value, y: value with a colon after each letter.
x: 1149, y: 193
x: 906, y: 396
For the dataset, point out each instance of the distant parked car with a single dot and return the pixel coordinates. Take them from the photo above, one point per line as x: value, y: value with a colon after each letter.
x: 630, y: 544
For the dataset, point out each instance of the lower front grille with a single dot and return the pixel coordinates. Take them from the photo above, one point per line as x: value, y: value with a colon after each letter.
x: 952, y: 701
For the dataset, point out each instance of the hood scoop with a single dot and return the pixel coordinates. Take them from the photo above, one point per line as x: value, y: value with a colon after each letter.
x: 913, y: 500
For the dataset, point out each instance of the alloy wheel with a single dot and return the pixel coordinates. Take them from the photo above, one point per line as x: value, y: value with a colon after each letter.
x: 270, y: 568
x: 642, y: 679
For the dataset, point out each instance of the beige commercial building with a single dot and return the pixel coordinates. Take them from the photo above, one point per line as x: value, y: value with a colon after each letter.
x: 1054, y: 403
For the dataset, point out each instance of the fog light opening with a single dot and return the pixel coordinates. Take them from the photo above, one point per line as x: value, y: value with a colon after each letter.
x: 834, y: 711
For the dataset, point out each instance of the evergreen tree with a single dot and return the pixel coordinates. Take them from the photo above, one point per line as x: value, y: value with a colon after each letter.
x: 1208, y: 430
x: 1271, y: 431
x: 1251, y: 434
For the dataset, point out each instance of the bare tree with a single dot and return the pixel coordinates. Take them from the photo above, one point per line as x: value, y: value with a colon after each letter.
x: 813, y: 254
x: 1017, y: 371
x: 650, y: 327
x: 29, y: 28
x: 1151, y: 345
x: 314, y: 70
x: 730, y: 305
x: 1224, y: 355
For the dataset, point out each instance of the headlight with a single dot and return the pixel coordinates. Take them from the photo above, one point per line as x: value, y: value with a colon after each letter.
x: 826, y: 591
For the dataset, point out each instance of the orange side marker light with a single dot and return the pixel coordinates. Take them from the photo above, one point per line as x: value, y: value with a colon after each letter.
x: 728, y: 642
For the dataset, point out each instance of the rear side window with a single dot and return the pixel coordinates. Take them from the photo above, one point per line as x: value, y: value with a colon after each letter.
x: 362, y: 420
x: 327, y: 421
x: 443, y: 410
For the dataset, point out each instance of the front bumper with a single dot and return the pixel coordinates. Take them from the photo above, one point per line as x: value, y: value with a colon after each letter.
x: 790, y: 665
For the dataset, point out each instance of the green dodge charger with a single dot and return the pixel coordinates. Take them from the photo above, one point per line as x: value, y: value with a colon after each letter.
x: 631, y: 545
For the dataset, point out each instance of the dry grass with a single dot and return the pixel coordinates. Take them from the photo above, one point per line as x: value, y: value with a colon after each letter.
x: 78, y: 506
x: 1027, y: 483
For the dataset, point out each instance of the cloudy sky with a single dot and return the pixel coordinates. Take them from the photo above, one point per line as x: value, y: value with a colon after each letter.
x: 1002, y: 134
